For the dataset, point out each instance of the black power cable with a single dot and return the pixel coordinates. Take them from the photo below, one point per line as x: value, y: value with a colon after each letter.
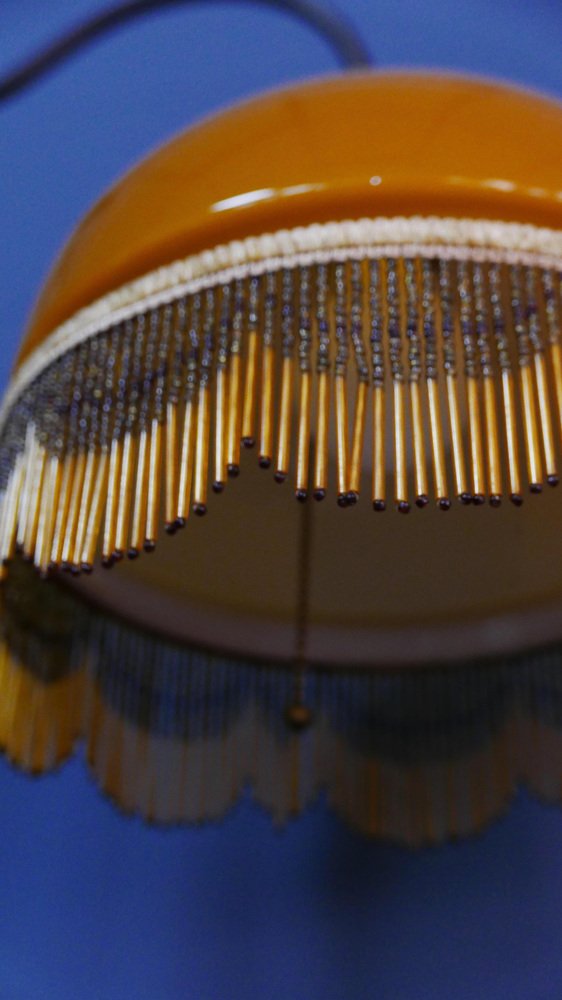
x: 347, y: 44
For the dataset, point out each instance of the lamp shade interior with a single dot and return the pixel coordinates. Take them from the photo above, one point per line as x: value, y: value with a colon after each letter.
x: 384, y: 590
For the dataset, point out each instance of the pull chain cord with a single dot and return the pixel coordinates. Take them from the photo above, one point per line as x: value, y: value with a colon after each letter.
x: 298, y: 714
x: 334, y: 28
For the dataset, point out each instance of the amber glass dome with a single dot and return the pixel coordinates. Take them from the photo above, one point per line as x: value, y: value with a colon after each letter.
x: 357, y: 279
x: 305, y: 317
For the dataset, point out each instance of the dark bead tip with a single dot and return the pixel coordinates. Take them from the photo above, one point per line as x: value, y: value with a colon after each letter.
x: 495, y: 500
x: 75, y: 570
x: 264, y: 462
x: 379, y: 505
x: 108, y: 561
x: 65, y: 566
x: 301, y: 495
x: 132, y: 553
x: 248, y: 442
x: 118, y: 554
x: 552, y: 480
x: 218, y: 487
x: 171, y: 527
x: 149, y: 545
x: 342, y: 500
x: 86, y: 567
x: 319, y: 494
x: 422, y: 500
x: 279, y: 476
x: 403, y: 507
x: 179, y: 522
x: 465, y: 498
x: 444, y: 503
x: 27, y: 558
x: 536, y: 487
x: 200, y: 509
x: 233, y: 470
x: 298, y: 717
x: 516, y: 499
x: 478, y: 499
x: 352, y: 498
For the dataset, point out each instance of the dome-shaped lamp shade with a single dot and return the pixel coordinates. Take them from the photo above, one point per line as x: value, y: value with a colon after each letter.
x: 359, y: 278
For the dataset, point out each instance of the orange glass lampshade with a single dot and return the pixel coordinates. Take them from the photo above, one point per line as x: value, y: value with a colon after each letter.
x: 360, y: 276
x: 351, y: 286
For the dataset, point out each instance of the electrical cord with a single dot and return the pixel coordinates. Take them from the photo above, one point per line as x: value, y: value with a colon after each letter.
x: 334, y: 28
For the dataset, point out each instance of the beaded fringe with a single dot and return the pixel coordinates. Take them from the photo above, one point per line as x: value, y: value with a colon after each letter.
x: 447, y: 374
x: 179, y: 735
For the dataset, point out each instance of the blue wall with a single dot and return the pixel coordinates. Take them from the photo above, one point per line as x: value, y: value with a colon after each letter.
x: 94, y: 907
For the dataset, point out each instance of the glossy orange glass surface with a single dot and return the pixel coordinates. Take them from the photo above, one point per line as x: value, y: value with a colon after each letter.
x: 361, y: 144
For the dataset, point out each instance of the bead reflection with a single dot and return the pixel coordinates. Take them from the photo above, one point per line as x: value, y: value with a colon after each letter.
x: 176, y: 734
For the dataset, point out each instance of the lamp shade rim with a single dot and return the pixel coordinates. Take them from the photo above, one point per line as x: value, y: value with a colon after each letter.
x: 452, y: 238
x: 331, y: 645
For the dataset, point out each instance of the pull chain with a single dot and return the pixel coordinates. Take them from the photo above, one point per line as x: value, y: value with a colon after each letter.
x: 298, y: 714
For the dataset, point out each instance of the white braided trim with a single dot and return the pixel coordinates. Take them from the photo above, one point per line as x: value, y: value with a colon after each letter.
x: 464, y: 239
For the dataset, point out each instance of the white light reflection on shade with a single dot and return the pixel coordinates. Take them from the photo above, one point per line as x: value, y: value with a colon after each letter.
x: 239, y: 200
x: 498, y: 184
x: 262, y: 194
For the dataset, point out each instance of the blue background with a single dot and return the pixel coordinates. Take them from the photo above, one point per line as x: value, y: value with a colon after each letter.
x: 95, y: 907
